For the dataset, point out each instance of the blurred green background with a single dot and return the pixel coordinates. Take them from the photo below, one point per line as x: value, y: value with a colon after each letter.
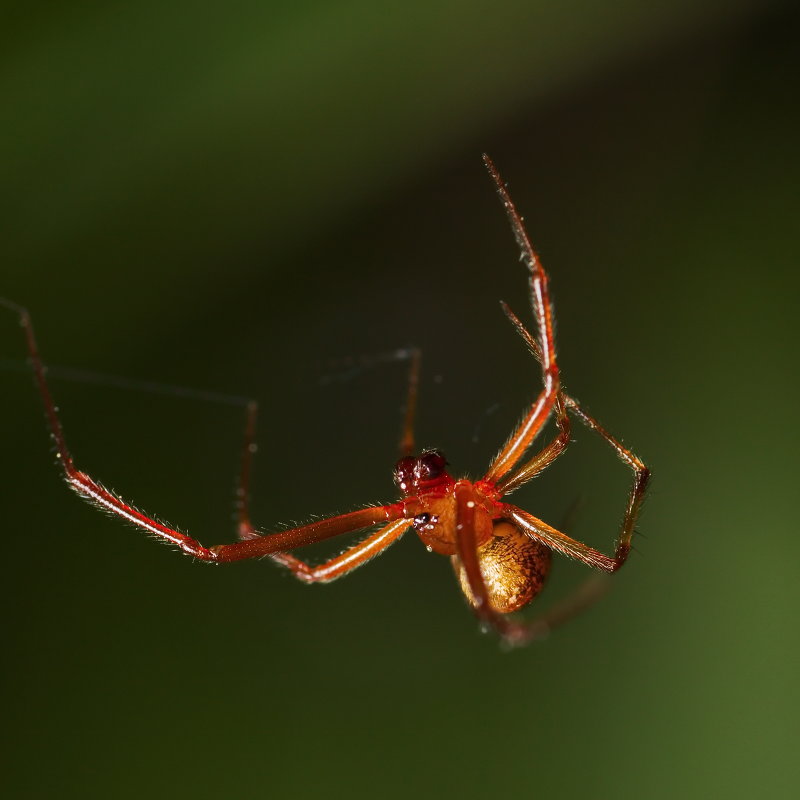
x: 237, y: 198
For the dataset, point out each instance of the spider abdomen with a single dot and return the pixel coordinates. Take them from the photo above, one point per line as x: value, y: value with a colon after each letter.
x: 514, y: 568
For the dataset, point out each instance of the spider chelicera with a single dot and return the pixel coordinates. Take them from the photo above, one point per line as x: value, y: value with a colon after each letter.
x: 501, y: 554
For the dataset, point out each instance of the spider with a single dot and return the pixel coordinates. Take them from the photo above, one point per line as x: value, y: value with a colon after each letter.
x: 500, y: 553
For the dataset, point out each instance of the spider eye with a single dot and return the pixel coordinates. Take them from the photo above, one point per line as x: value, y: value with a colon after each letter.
x: 430, y: 465
x: 425, y: 521
x: 404, y: 473
x: 411, y: 471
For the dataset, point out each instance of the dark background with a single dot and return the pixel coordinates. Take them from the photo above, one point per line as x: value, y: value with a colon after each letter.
x: 235, y: 200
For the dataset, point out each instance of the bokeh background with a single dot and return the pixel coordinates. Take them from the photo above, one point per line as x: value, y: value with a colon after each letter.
x: 239, y: 199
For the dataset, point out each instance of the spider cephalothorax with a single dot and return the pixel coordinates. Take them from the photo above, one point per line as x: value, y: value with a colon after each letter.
x: 413, y: 474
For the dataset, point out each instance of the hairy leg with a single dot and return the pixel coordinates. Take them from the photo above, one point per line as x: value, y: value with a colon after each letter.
x: 514, y: 449
x: 91, y: 490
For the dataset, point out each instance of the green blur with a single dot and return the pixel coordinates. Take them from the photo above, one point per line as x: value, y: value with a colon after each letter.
x: 240, y: 199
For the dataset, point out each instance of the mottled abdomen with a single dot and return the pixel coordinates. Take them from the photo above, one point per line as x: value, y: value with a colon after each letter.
x: 514, y: 567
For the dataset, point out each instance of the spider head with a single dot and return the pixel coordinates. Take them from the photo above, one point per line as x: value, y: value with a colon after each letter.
x: 415, y: 473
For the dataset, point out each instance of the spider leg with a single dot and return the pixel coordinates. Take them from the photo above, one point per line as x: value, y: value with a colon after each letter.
x: 352, y: 558
x: 526, y: 431
x: 95, y: 493
x: 408, y: 440
x: 249, y: 449
x: 512, y: 631
x: 586, y: 594
x: 334, y: 568
x: 594, y: 588
x: 551, y: 452
x: 545, y: 457
x: 526, y: 335
x: 641, y: 474
x: 566, y: 545
x: 362, y: 552
x: 359, y: 553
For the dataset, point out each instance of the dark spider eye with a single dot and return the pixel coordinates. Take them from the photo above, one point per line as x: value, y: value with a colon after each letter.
x: 404, y: 472
x: 430, y: 465
x: 410, y: 471
x: 425, y: 521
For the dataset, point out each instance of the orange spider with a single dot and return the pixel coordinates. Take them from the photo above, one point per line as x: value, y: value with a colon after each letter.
x: 501, y: 554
